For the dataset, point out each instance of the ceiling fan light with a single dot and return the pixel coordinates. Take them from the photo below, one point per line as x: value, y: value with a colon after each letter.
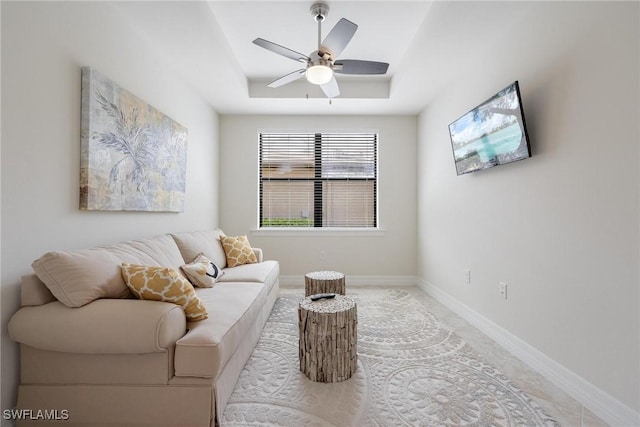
x: 319, y: 74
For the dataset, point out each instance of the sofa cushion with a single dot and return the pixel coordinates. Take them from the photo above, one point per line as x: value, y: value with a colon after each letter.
x: 238, y: 250
x: 205, y: 349
x: 78, y: 277
x: 263, y: 272
x: 206, y: 242
x: 202, y: 272
x: 164, y: 284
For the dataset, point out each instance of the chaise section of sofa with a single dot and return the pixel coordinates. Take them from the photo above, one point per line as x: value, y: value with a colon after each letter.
x: 89, y: 348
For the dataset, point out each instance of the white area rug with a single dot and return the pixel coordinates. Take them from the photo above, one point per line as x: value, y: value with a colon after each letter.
x: 412, y: 371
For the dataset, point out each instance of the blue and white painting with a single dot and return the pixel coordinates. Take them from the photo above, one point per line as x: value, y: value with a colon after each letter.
x: 132, y: 156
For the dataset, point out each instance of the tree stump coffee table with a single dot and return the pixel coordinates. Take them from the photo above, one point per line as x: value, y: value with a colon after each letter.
x: 320, y: 282
x: 328, y: 338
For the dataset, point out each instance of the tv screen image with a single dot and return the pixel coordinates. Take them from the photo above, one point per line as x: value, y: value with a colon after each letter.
x: 492, y: 134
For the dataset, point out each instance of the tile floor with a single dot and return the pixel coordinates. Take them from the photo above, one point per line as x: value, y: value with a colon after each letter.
x: 567, y: 411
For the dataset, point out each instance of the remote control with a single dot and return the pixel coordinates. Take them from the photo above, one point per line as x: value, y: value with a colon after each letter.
x: 316, y: 297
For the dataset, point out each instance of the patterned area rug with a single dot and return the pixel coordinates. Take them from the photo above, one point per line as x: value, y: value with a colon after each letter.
x: 412, y: 371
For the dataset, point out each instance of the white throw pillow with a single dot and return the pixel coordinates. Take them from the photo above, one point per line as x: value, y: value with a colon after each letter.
x: 202, y: 272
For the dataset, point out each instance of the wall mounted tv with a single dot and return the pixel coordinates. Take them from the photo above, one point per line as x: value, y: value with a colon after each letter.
x: 492, y: 134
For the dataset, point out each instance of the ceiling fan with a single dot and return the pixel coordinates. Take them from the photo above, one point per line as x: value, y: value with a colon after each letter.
x: 322, y: 63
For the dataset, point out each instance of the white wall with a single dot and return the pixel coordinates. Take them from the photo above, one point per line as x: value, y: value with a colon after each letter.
x: 561, y: 229
x: 391, y: 253
x: 43, y: 47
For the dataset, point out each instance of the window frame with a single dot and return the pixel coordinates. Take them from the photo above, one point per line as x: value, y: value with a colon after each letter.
x: 317, y: 181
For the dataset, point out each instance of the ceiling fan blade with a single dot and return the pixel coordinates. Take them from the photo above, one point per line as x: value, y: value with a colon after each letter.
x: 356, y: 66
x: 281, y: 50
x: 287, y: 79
x: 331, y: 88
x: 339, y: 37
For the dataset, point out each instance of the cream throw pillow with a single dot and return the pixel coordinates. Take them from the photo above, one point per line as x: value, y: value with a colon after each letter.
x: 238, y: 250
x: 164, y: 284
x: 202, y: 272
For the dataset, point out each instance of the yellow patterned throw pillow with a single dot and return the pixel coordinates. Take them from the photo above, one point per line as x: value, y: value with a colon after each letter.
x: 164, y: 284
x: 202, y: 272
x: 238, y: 250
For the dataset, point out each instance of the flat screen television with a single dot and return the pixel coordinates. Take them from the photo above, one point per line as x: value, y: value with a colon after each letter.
x: 492, y: 134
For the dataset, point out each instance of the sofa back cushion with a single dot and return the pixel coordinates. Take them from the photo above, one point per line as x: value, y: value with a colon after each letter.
x: 78, y: 277
x: 206, y: 242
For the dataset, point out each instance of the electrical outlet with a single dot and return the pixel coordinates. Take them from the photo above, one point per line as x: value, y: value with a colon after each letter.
x: 503, y: 290
x: 467, y: 276
x: 323, y: 255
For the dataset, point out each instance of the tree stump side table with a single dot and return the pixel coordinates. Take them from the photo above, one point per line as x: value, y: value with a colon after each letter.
x: 328, y: 349
x: 321, y: 282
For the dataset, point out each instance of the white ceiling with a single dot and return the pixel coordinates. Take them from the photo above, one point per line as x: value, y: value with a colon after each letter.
x: 210, y: 44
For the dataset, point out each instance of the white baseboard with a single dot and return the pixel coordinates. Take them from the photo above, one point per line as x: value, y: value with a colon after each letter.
x: 293, y: 281
x: 609, y: 409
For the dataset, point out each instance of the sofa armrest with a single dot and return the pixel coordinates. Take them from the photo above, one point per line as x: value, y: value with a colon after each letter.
x: 258, y: 253
x: 104, y: 326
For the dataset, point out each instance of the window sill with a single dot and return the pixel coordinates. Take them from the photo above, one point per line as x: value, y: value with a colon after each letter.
x: 307, y: 231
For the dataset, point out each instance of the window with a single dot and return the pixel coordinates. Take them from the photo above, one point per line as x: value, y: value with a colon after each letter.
x: 318, y: 180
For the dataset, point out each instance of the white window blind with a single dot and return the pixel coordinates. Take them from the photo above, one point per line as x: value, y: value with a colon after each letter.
x: 318, y: 180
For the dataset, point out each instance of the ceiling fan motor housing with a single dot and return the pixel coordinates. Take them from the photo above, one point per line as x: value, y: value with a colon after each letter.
x: 319, y: 11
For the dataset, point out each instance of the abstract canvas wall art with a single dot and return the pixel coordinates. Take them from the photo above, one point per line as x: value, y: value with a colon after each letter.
x: 132, y: 156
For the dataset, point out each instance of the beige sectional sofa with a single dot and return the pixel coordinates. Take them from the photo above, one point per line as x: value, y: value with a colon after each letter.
x: 89, y: 350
